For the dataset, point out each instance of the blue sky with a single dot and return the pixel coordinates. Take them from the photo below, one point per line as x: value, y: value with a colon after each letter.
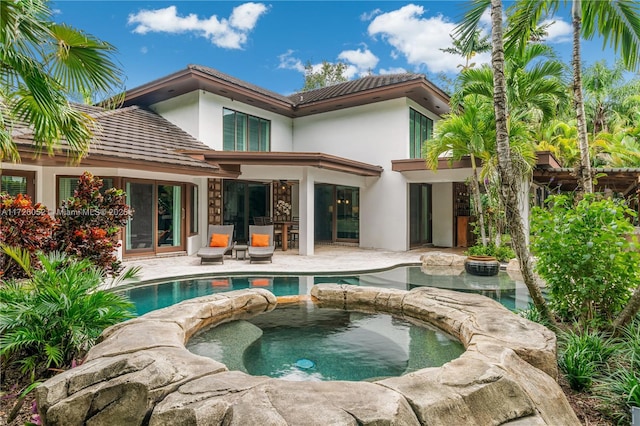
x: 268, y: 43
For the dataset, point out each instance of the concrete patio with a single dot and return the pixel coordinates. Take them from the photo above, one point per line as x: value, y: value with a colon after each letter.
x: 327, y: 258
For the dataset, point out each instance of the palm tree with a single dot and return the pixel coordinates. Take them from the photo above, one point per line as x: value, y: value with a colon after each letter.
x: 478, y: 44
x: 508, y: 184
x: 534, y: 83
x: 44, y: 65
x: 617, y: 21
x: 471, y: 133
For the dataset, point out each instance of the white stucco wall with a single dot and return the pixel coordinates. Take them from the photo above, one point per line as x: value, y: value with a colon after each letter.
x: 200, y: 114
x: 442, y: 196
x: 374, y: 134
x: 181, y: 111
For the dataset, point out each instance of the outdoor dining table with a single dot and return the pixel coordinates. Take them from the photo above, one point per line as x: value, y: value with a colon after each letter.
x: 285, y: 224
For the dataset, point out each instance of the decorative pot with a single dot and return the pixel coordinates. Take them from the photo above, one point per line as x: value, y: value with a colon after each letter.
x: 485, y: 266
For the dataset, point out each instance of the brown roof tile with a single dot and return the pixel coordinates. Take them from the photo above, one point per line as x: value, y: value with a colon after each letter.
x: 352, y: 86
x: 133, y: 133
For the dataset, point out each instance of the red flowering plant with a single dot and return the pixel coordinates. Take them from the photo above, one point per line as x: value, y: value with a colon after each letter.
x: 26, y: 225
x: 89, y: 223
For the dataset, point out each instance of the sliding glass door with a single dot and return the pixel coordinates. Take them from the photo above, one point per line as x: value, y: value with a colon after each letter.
x: 242, y: 202
x: 419, y: 214
x: 158, y: 220
x: 337, y: 213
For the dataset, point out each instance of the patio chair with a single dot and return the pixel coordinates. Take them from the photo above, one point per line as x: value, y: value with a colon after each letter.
x: 261, y: 245
x: 220, y: 242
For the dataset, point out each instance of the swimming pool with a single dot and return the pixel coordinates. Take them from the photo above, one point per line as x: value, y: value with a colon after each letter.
x: 512, y: 294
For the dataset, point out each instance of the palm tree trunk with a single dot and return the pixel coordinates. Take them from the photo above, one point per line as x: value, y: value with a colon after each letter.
x: 584, y: 175
x: 477, y: 200
x: 508, y: 184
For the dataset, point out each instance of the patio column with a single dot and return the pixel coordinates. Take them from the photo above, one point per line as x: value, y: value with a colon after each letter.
x: 307, y: 210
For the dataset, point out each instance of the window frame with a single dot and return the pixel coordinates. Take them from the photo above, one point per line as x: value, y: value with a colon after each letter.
x: 422, y: 124
x: 28, y: 175
x: 262, y: 128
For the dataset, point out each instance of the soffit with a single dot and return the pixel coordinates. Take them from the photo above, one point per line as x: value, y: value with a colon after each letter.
x: 231, y: 161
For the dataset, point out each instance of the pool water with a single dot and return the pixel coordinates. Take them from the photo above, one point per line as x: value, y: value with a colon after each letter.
x: 301, y: 341
x: 502, y: 288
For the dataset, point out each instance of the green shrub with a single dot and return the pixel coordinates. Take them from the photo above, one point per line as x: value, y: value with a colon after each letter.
x: 583, y: 356
x: 586, y: 256
x: 89, y: 223
x: 503, y: 253
x: 56, y: 315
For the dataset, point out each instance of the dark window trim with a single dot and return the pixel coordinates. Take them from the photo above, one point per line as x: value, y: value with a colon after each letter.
x: 429, y: 130
x: 30, y: 175
x: 247, y: 143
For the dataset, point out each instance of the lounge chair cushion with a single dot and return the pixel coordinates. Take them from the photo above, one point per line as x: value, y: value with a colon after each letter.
x: 260, y: 240
x: 219, y: 240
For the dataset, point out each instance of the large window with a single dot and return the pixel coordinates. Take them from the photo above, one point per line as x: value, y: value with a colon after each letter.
x: 15, y: 182
x: 420, y: 129
x: 67, y: 186
x: 243, y: 132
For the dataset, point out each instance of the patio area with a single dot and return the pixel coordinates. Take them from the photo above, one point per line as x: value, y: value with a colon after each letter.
x: 327, y: 258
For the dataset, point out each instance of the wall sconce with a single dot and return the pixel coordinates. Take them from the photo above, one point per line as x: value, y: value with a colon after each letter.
x: 346, y: 201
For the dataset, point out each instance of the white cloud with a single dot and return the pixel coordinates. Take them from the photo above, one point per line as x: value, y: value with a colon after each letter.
x: 367, y: 16
x: 228, y: 33
x: 485, y: 19
x: 558, y: 31
x: 288, y: 62
x: 363, y: 61
x: 245, y: 16
x: 358, y: 62
x: 392, y: 70
x: 418, y: 38
x: 144, y: 50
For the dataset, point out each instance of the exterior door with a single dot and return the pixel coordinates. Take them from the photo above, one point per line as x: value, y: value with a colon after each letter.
x: 242, y: 201
x: 157, y: 225
x: 337, y: 213
x: 419, y: 214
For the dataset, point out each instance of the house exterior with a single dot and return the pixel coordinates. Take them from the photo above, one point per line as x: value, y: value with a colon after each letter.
x: 199, y: 147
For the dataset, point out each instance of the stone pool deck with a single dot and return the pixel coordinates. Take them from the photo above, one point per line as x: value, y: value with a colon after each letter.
x: 141, y: 372
x: 327, y: 258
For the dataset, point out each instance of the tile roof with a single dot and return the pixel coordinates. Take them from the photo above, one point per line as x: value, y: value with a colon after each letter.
x: 241, y: 83
x: 352, y: 86
x: 137, y: 134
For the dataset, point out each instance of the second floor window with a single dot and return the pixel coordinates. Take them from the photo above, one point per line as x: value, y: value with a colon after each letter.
x: 244, y: 132
x: 420, y: 129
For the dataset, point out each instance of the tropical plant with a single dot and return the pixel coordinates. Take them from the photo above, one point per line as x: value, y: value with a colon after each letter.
x: 44, y: 64
x: 502, y: 253
x: 89, y: 223
x: 617, y: 21
x: 507, y: 178
x: 583, y: 355
x: 470, y: 132
x: 586, y: 256
x: 477, y: 44
x: 619, y: 386
x: 600, y: 82
x: 56, y: 315
x: 534, y: 81
x: 25, y: 225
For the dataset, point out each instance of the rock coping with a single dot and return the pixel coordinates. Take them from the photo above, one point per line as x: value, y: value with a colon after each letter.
x: 141, y: 372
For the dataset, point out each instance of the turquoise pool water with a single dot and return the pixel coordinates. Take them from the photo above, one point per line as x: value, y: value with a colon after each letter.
x: 502, y: 288
x: 301, y: 341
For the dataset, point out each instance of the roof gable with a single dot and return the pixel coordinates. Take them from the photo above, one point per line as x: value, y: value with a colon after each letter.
x: 362, y: 91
